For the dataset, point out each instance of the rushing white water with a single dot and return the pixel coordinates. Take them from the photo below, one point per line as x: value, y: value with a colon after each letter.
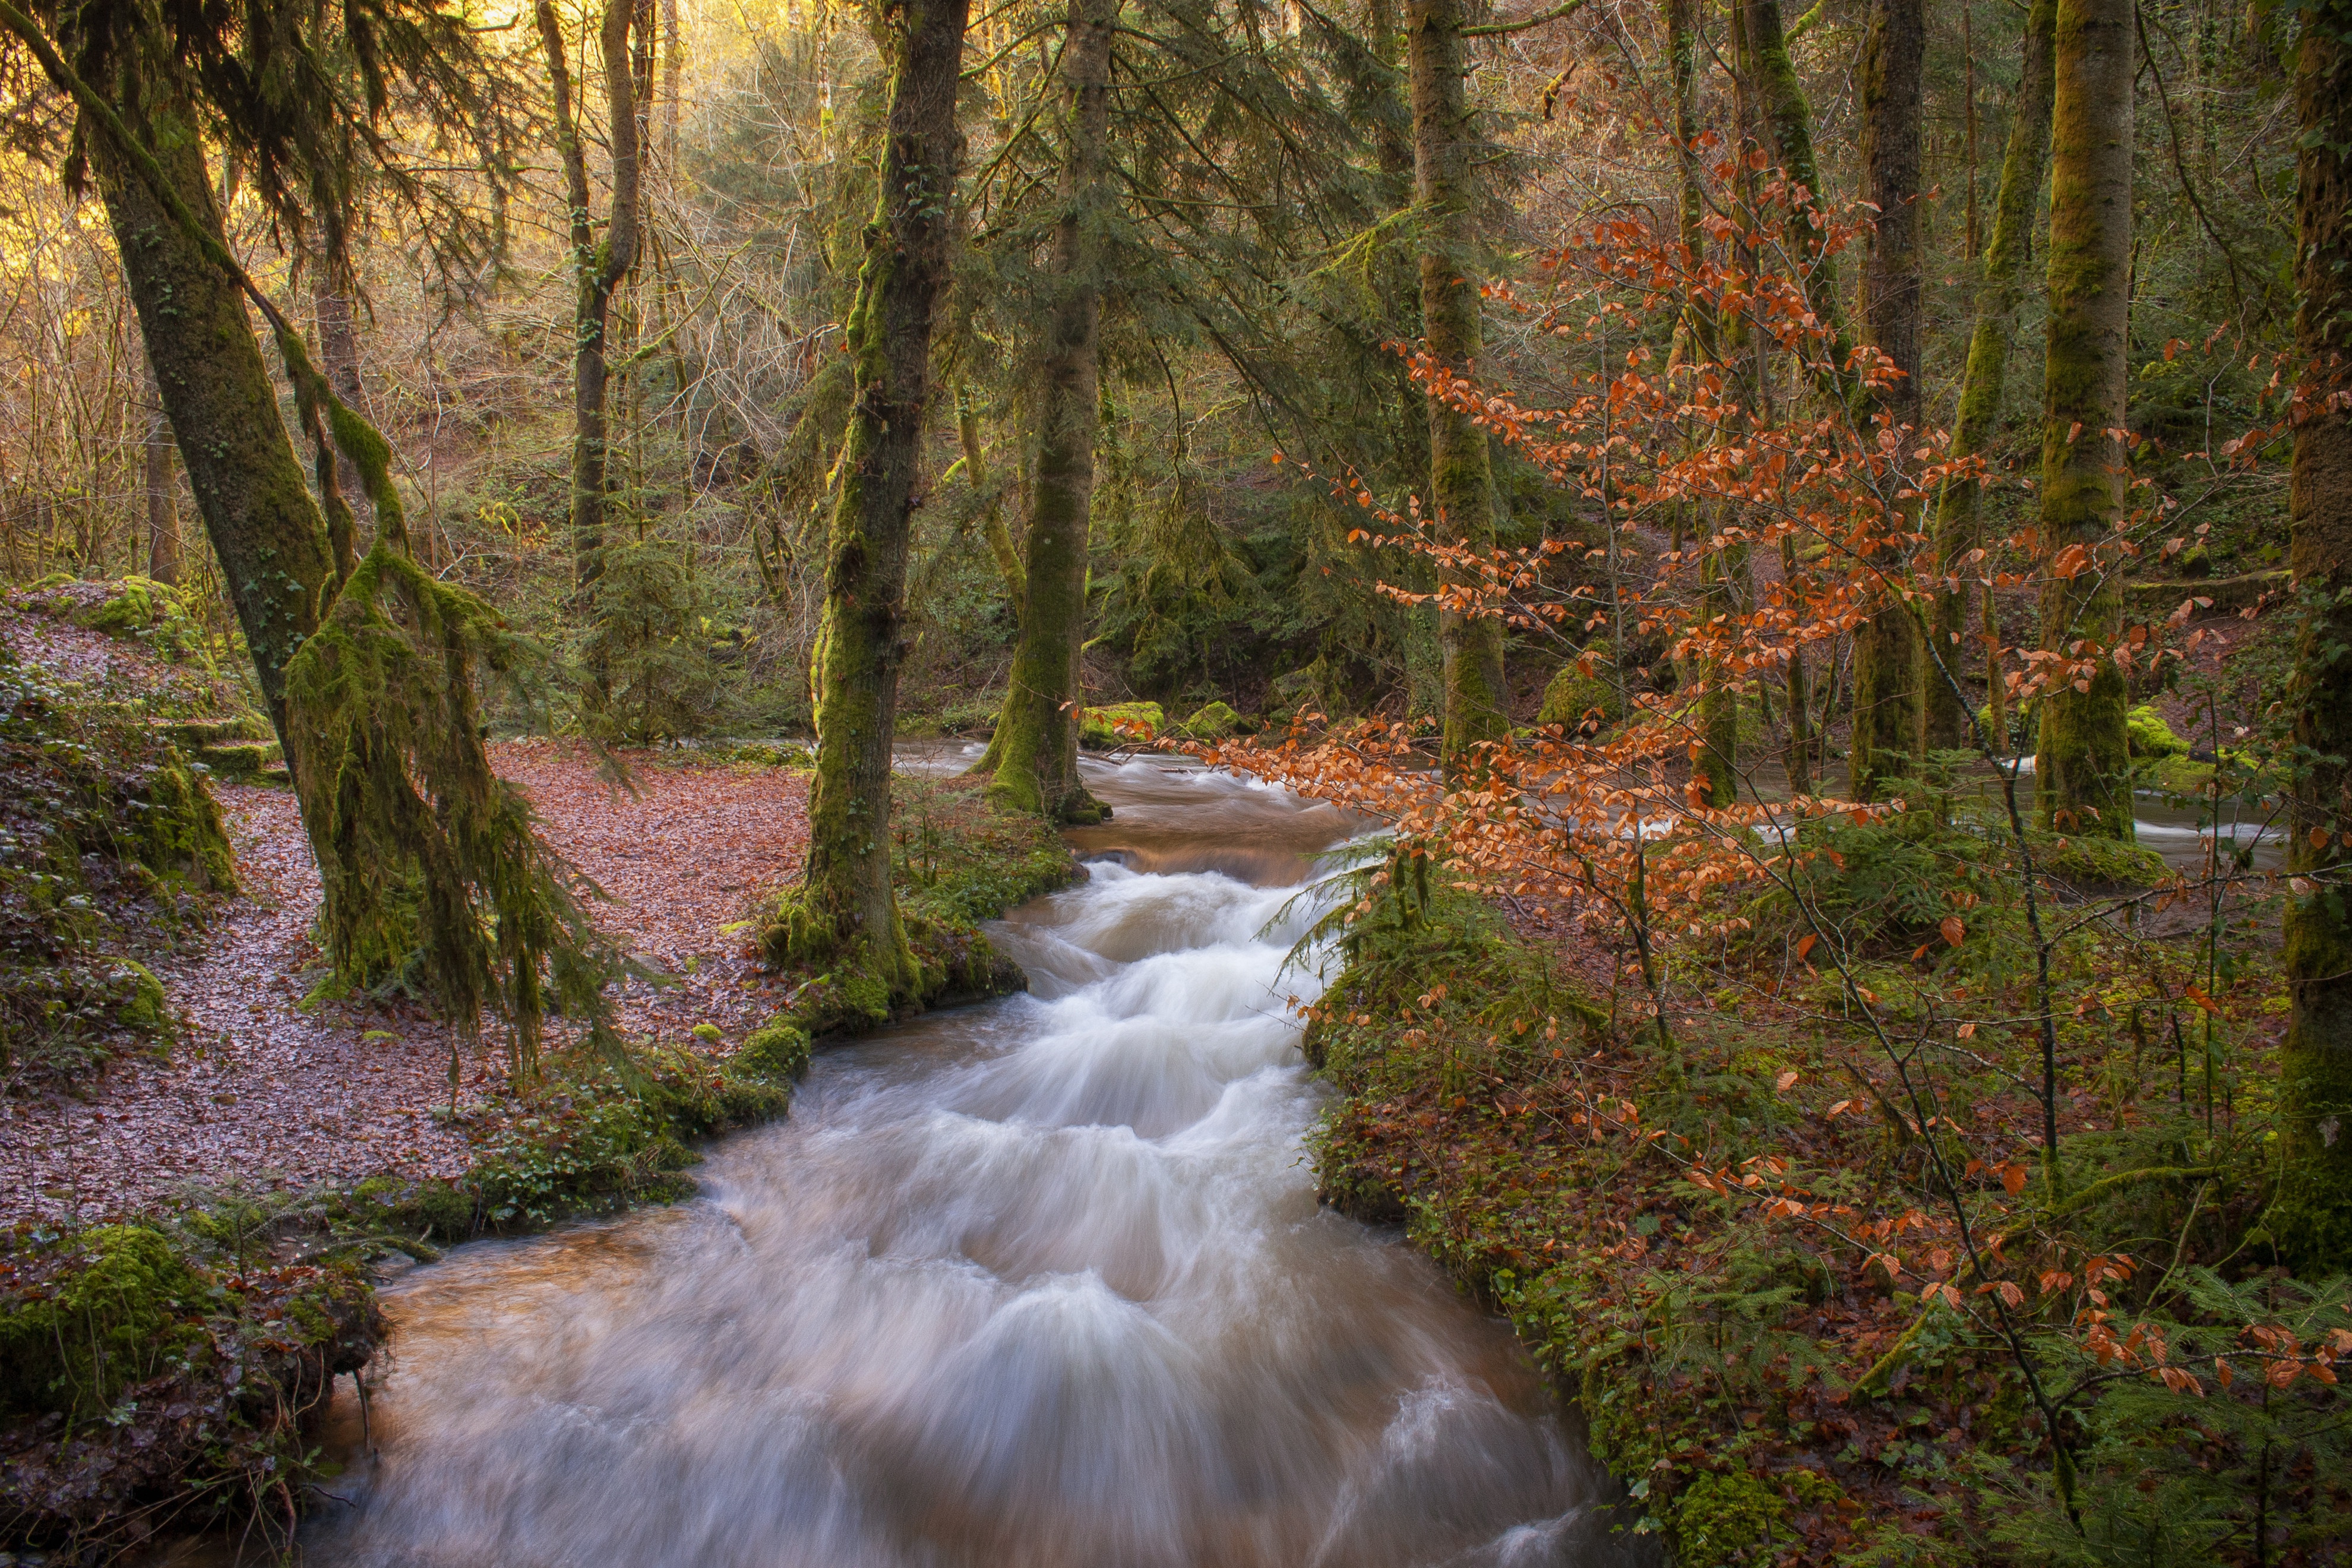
x: 1041, y: 1282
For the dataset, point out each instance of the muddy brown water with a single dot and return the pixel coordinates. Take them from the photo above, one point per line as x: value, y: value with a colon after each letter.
x: 1039, y: 1282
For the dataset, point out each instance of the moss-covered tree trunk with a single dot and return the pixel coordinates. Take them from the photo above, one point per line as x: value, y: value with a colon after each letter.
x: 2084, y: 779
x: 1461, y: 467
x: 1785, y: 128
x: 2314, y: 1220
x: 332, y: 295
x: 249, y: 485
x: 1033, y: 755
x: 2000, y: 290
x: 598, y: 268
x: 844, y: 909
x: 1894, y: 307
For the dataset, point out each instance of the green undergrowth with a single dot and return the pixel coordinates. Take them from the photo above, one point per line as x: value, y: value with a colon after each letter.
x: 111, y: 849
x: 957, y: 862
x: 1762, y: 1389
x: 154, y: 1376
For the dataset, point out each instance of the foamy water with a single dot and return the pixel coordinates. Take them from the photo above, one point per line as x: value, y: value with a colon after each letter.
x: 1039, y: 1282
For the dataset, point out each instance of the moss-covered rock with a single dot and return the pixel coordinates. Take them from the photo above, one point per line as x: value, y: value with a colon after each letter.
x: 1722, y: 1517
x: 148, y: 1376
x: 1578, y: 701
x: 2150, y: 736
x: 1121, y: 724
x: 1215, y: 721
x: 2092, y: 863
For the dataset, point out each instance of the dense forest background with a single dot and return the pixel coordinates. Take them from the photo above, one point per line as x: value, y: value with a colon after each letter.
x: 1254, y: 274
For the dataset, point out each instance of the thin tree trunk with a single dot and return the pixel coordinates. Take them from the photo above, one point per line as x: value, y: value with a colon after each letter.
x: 1035, y: 752
x: 1894, y: 307
x: 155, y: 466
x: 598, y: 268
x: 1461, y: 466
x: 992, y: 526
x: 2314, y: 1223
x: 249, y: 488
x: 845, y: 905
x: 1959, y: 527
x: 2082, y: 771
x: 1785, y: 123
x: 332, y: 292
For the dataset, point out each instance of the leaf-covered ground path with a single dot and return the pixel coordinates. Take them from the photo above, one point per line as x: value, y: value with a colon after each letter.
x: 263, y: 1092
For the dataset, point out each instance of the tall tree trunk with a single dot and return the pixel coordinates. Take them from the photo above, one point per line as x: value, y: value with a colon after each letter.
x: 1893, y: 301
x: 1034, y: 752
x: 2313, y: 1221
x: 1784, y: 123
x: 1699, y: 338
x: 2000, y: 291
x: 2082, y: 771
x: 333, y: 292
x: 155, y: 473
x: 249, y: 488
x: 598, y: 268
x: 844, y: 906
x: 1461, y: 467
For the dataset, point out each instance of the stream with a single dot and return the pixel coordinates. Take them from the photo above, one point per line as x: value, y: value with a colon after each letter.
x: 1039, y: 1282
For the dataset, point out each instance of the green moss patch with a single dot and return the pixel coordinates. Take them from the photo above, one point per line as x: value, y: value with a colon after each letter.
x: 150, y: 1376
x: 110, y: 847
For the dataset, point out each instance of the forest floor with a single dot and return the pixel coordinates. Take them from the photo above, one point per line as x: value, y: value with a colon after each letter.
x: 264, y: 1092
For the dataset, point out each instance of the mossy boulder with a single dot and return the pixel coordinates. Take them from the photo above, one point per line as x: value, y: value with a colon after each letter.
x: 1577, y: 701
x: 1722, y: 1517
x: 116, y: 1315
x: 779, y: 1048
x: 2150, y: 736
x: 2089, y: 862
x: 1215, y: 721
x: 1120, y: 724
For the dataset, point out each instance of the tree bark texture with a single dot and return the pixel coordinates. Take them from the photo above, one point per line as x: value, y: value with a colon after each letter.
x: 249, y: 485
x: 598, y: 268
x: 1461, y: 466
x: 1894, y: 309
x: 1033, y: 755
x: 155, y: 477
x: 2082, y: 774
x: 845, y: 902
x: 331, y: 299
x: 2313, y: 1221
x: 2000, y: 290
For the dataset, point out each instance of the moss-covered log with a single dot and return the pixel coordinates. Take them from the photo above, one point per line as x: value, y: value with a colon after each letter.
x: 2082, y: 766
x: 1033, y: 755
x: 1461, y: 467
x: 2001, y: 289
x: 844, y: 907
x: 2313, y: 1221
